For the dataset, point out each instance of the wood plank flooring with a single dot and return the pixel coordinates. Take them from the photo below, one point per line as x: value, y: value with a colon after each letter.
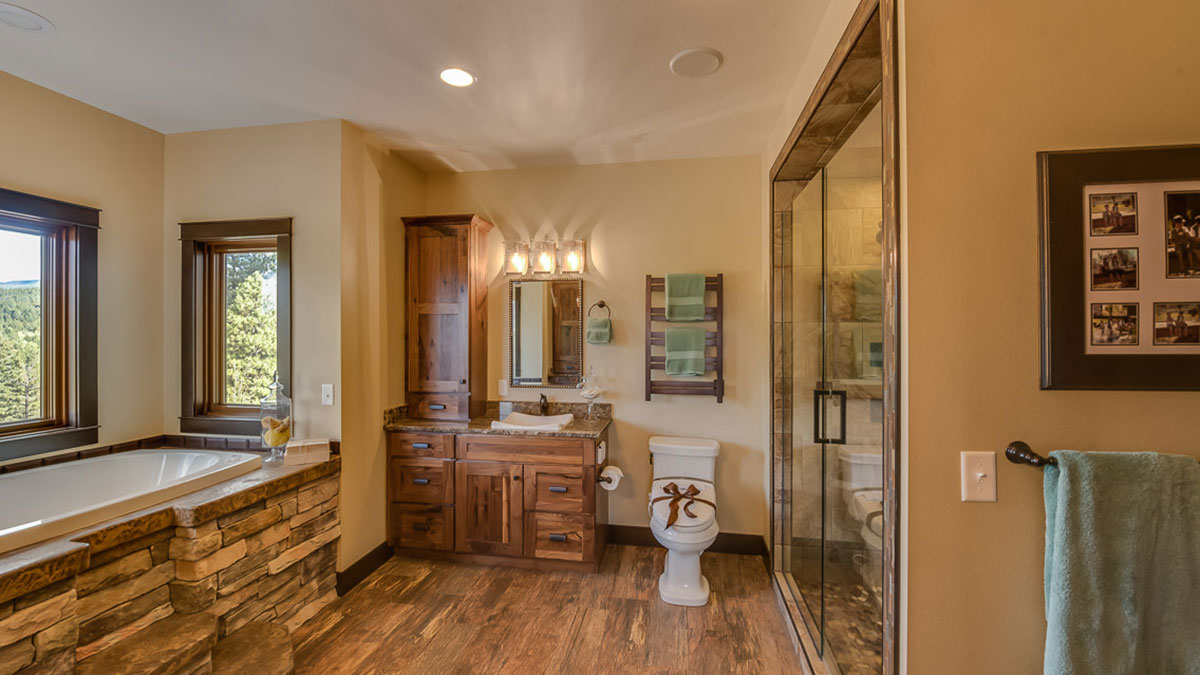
x: 427, y: 616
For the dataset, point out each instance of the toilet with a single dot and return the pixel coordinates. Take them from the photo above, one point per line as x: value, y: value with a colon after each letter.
x: 862, y: 481
x: 683, y: 473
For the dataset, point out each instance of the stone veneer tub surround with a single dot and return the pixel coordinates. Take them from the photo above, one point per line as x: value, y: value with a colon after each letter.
x: 258, y: 548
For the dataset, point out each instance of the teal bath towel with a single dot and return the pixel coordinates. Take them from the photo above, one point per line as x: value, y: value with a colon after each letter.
x: 685, y: 297
x: 685, y: 351
x: 599, y: 331
x: 1122, y: 563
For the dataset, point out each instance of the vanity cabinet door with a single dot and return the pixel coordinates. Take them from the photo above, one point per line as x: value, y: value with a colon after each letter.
x: 438, y: 310
x: 489, y: 508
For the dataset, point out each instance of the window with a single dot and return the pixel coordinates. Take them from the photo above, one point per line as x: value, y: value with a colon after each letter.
x: 236, y: 325
x: 47, y: 324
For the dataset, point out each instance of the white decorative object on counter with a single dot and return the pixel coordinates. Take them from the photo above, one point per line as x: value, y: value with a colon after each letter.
x: 589, y: 388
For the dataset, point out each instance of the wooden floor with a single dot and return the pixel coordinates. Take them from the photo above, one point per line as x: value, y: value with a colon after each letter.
x: 424, y: 616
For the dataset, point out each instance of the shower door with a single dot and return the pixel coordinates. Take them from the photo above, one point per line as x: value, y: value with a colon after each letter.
x: 833, y: 510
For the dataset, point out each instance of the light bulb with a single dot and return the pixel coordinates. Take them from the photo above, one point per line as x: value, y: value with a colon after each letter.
x: 544, y: 261
x: 572, y: 262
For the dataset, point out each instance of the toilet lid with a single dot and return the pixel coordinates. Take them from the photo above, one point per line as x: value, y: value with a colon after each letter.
x: 661, y: 511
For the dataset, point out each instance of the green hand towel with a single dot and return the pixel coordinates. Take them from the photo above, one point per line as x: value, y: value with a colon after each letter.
x: 685, y: 297
x: 1122, y: 574
x: 599, y: 330
x: 685, y: 351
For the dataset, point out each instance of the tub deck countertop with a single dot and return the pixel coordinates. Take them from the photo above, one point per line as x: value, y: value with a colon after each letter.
x: 30, y: 568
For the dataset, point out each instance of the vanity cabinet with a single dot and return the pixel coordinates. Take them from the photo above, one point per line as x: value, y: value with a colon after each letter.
x: 509, y: 499
x: 446, y: 300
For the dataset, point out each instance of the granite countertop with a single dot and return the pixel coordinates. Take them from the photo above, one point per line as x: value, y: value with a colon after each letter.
x: 27, y: 569
x: 395, y: 420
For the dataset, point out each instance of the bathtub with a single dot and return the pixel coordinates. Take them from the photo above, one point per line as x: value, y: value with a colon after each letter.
x: 49, y: 501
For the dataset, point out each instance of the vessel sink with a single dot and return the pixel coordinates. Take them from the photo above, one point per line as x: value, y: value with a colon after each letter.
x: 522, y: 422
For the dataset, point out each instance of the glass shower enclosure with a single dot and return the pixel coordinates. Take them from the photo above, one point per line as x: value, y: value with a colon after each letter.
x: 830, y: 548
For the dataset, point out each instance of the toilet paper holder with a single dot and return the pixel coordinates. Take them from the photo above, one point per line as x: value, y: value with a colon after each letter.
x: 604, y: 479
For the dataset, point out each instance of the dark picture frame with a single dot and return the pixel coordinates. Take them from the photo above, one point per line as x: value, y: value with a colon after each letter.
x: 1063, y: 177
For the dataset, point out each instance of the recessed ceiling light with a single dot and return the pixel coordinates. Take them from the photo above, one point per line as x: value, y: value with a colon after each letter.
x: 457, y: 77
x: 19, y: 17
x: 696, y: 62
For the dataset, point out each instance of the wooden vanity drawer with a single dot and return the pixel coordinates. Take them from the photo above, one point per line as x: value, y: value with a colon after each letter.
x: 425, y: 481
x: 438, y: 406
x: 568, y: 489
x: 409, y: 444
x: 417, y: 526
x: 560, y: 536
x: 524, y: 449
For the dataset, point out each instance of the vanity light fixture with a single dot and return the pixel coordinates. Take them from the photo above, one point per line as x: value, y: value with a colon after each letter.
x: 516, y: 257
x: 457, y: 77
x: 542, y: 254
x: 570, y: 256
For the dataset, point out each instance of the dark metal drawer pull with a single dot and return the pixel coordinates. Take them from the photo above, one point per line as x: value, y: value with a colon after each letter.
x: 421, y: 527
x: 421, y: 446
x: 437, y: 406
x: 420, y: 481
x: 558, y: 537
x: 558, y: 488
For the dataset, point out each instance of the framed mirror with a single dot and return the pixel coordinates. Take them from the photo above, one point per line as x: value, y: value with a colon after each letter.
x: 545, y: 330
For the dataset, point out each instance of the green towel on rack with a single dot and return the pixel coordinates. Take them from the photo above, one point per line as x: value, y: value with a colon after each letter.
x: 599, y: 330
x: 1122, y: 579
x: 685, y: 297
x: 685, y: 351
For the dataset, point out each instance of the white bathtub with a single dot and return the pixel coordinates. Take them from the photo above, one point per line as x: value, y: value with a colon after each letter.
x: 49, y: 501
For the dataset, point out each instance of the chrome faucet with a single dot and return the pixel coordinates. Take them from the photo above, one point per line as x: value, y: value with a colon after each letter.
x: 543, y: 405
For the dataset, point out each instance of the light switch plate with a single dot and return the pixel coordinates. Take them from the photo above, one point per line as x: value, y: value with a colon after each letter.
x: 327, y: 394
x: 502, y: 387
x: 979, y: 476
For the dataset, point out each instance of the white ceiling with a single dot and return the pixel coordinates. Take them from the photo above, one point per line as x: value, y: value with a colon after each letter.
x: 560, y: 81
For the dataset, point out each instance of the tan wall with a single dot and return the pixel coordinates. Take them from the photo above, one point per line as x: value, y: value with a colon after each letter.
x: 262, y: 172
x: 650, y: 217
x: 57, y: 147
x: 377, y: 189
x: 987, y: 86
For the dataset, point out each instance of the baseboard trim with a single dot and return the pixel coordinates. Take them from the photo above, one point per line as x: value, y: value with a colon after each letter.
x: 362, y: 568
x: 727, y: 542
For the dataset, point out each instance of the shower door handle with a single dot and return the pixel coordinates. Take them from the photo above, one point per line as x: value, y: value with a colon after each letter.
x: 820, y: 396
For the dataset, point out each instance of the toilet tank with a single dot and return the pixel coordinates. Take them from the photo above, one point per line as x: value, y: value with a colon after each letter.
x: 862, y: 467
x: 684, y: 457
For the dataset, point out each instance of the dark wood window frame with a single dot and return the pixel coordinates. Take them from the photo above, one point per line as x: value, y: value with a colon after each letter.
x: 69, y: 371
x: 203, y: 408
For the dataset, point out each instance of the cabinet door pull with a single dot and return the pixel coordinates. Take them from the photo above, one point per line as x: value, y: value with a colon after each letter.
x: 421, y: 446
x: 558, y: 537
x: 420, y: 481
x: 421, y: 527
x: 437, y: 406
x: 558, y: 488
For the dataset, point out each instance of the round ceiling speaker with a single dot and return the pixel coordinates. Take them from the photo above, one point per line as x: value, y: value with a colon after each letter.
x: 696, y: 62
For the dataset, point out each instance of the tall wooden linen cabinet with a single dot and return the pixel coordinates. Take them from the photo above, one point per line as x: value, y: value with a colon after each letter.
x: 446, y: 316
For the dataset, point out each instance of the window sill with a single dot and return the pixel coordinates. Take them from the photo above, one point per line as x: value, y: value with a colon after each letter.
x: 225, y: 426
x: 47, y: 440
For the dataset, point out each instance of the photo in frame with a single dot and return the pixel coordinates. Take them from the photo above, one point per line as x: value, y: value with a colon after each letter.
x: 1120, y: 268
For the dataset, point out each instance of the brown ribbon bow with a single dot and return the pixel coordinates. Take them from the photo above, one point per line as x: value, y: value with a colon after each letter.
x: 673, y: 493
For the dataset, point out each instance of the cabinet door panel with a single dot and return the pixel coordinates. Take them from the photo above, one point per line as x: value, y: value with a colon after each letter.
x: 489, y: 509
x: 438, y: 309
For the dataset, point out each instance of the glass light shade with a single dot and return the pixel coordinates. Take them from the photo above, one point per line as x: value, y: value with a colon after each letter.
x: 516, y: 257
x: 570, y: 256
x: 542, y: 255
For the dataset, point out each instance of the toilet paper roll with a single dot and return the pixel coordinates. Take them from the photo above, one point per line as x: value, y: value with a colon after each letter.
x: 614, y: 474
